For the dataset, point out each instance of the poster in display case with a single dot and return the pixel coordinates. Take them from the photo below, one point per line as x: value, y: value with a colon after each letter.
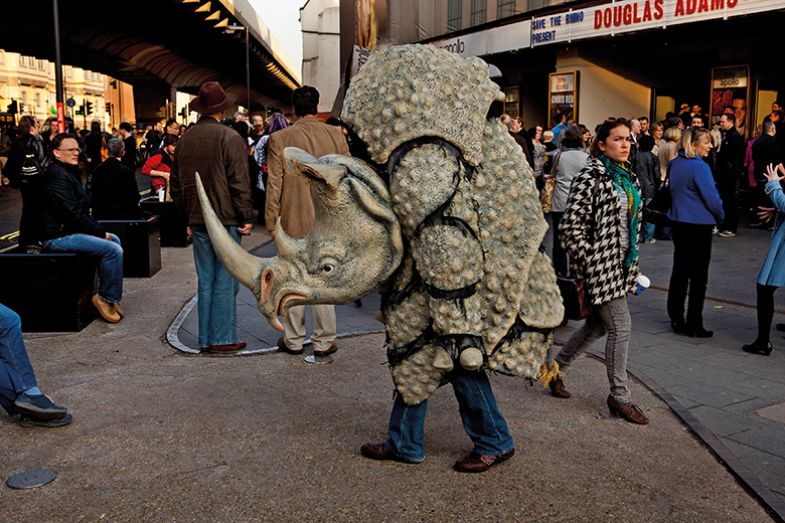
x: 730, y: 92
x: 562, y: 96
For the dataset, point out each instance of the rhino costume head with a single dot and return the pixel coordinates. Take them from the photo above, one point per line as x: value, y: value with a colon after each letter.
x: 354, y: 245
x: 452, y: 234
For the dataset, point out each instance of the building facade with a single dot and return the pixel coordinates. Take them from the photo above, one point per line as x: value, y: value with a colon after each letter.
x: 594, y: 59
x: 320, y: 20
x: 30, y: 82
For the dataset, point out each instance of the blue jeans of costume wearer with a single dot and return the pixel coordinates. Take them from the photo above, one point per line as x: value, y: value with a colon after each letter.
x: 110, y: 268
x: 16, y: 372
x: 614, y: 318
x: 482, y: 420
x: 217, y: 292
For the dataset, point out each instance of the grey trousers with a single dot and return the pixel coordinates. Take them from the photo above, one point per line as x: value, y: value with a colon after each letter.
x: 614, y: 318
x: 323, y: 326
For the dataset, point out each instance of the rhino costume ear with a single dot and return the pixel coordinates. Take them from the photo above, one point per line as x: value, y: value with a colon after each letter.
x: 300, y: 162
x: 382, y: 211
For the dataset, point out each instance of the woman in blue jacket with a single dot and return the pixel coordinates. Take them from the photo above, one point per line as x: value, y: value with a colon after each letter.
x: 696, y: 209
x: 772, y: 274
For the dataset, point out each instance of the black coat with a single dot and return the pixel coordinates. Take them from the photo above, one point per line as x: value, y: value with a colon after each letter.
x: 730, y: 158
x: 765, y: 150
x: 647, y: 166
x: 129, y: 158
x: 65, y: 208
x: 115, y: 194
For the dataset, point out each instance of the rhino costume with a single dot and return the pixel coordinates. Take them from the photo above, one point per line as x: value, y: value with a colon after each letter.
x: 450, y: 230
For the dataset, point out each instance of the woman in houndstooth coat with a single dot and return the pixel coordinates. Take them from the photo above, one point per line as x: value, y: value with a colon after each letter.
x: 599, y: 230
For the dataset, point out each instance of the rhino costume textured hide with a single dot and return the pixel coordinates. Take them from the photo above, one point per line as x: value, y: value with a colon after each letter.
x: 451, y: 230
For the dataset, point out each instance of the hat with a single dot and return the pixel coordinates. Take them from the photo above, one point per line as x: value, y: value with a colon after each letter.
x: 212, y: 99
x: 684, y: 106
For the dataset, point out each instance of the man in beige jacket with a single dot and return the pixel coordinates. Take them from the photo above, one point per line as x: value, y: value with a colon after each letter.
x: 289, y: 197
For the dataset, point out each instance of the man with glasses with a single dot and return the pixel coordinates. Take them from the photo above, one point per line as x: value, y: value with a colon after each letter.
x: 69, y: 228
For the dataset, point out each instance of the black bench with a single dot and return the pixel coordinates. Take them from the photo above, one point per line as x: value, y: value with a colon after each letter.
x: 173, y: 224
x: 51, y: 292
x: 141, y: 245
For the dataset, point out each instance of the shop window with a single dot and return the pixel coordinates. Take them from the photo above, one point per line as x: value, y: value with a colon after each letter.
x: 512, y: 101
x: 505, y: 8
x: 478, y: 12
x: 453, y: 15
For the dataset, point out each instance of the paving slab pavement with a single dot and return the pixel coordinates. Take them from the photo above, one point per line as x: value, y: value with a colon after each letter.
x: 160, y: 435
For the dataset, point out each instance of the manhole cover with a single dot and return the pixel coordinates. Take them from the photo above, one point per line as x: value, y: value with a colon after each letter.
x: 31, y: 478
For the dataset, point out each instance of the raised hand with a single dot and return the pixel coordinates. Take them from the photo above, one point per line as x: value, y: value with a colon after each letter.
x: 771, y: 172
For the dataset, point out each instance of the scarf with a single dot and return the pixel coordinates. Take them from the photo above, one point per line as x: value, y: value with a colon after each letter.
x: 622, y: 179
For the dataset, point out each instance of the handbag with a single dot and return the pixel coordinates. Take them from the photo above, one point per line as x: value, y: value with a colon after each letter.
x: 573, y: 293
x: 546, y: 194
x: 659, y: 206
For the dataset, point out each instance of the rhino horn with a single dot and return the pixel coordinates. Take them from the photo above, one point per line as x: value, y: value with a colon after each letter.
x: 300, y: 162
x: 285, y: 244
x: 246, y: 268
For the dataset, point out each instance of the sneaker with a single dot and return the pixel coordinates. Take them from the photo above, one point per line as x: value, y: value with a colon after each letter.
x: 28, y: 421
x: 727, y: 234
x: 38, y: 406
x: 758, y: 348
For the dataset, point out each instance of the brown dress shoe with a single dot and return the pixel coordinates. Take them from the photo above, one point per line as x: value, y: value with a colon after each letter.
x: 557, y: 388
x: 326, y: 352
x: 628, y: 411
x: 283, y: 348
x: 381, y: 452
x: 106, y: 309
x: 480, y: 462
x: 227, y: 348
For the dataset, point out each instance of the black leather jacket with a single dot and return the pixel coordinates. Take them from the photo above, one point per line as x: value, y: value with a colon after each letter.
x: 65, y: 206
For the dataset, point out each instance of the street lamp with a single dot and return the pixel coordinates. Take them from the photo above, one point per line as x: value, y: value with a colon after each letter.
x: 231, y: 29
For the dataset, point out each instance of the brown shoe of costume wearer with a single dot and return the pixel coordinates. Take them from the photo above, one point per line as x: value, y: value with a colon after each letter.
x: 480, y: 462
x: 106, y: 309
x: 119, y: 310
x: 381, y: 452
x: 557, y: 389
x: 628, y: 411
x: 226, y: 348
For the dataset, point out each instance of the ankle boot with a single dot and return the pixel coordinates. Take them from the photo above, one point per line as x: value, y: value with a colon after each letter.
x: 758, y: 348
x: 557, y: 388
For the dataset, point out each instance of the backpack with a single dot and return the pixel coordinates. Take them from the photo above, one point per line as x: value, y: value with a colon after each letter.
x: 31, y: 169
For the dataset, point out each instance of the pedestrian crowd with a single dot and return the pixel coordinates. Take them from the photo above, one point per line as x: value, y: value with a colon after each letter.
x: 598, y: 190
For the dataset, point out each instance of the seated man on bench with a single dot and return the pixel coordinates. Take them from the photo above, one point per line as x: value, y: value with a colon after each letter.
x: 19, y: 392
x: 69, y: 227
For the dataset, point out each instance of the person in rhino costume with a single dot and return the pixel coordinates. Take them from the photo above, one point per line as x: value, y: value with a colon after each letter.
x: 444, y: 214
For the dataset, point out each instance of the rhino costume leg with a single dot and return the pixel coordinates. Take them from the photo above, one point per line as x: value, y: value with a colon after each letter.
x: 481, y: 418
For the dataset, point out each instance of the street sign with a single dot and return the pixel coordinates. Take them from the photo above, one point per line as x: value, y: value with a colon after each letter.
x: 70, y: 102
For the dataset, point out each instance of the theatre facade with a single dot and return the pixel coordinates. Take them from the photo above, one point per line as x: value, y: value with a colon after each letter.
x: 592, y: 60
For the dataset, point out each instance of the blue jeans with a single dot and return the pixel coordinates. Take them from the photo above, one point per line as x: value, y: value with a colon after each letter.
x: 110, y: 268
x: 16, y: 372
x: 482, y: 420
x: 217, y: 305
x: 647, y: 229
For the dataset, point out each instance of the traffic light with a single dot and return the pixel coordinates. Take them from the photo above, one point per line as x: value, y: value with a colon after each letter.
x: 13, y: 107
x: 80, y: 110
x: 108, y: 108
x: 89, y: 107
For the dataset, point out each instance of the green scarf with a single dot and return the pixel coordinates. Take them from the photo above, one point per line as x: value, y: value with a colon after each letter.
x: 622, y: 179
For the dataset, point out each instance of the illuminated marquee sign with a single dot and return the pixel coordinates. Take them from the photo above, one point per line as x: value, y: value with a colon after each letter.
x: 635, y: 15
